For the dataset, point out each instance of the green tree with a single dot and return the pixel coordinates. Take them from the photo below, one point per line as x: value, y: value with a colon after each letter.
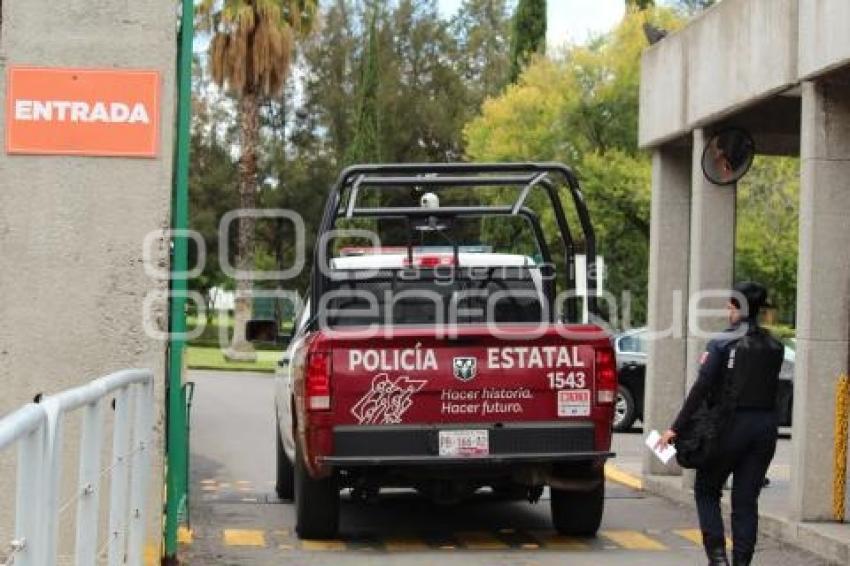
x: 766, y: 239
x: 582, y: 110
x: 529, y: 34
x: 423, y: 97
x: 213, y: 183
x: 250, y: 54
x: 640, y: 4
x: 423, y: 100
x: 330, y: 80
x: 365, y: 147
x: 433, y: 75
x: 482, y: 29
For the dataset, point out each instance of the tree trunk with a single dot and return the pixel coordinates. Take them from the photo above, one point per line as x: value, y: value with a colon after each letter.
x: 249, y: 128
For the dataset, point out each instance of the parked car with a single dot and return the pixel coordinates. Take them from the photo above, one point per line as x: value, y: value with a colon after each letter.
x: 632, y: 350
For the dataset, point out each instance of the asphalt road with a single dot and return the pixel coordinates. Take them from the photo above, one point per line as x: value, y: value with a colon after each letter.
x: 237, y: 520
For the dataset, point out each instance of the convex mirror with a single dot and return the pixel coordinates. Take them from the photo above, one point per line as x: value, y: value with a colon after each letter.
x: 728, y: 156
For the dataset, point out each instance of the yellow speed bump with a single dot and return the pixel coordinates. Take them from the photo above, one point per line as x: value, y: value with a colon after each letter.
x: 555, y: 541
x: 404, y: 544
x: 615, y: 474
x: 322, y: 545
x: 633, y: 540
x: 695, y: 536
x: 480, y: 540
x: 244, y: 537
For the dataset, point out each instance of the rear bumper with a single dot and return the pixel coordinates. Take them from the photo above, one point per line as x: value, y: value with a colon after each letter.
x: 509, y: 443
x: 478, y: 461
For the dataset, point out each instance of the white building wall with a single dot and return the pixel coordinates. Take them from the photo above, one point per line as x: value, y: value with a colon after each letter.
x: 72, y: 282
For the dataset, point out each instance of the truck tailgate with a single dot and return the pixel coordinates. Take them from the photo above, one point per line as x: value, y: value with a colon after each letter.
x: 419, y: 378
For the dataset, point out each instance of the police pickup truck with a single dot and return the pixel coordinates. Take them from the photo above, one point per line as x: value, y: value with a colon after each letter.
x: 440, y: 348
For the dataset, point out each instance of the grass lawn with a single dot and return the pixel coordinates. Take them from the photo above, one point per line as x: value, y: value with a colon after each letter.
x: 198, y: 357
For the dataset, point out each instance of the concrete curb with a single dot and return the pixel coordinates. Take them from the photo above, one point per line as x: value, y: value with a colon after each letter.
x: 822, y: 539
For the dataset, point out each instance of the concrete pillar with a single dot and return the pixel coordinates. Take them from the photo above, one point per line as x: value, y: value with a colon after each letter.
x: 823, y: 293
x: 668, y: 285
x: 712, y: 260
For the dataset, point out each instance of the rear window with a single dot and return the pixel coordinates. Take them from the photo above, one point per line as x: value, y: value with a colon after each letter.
x: 436, y: 296
x: 497, y: 275
x: 633, y: 343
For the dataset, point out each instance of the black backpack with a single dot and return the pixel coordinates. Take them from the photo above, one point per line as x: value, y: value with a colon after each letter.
x: 699, y: 441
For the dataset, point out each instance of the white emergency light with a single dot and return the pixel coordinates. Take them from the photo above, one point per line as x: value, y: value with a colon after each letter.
x: 429, y: 200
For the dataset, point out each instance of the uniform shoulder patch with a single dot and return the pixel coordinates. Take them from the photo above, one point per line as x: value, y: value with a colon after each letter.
x: 703, y: 358
x: 731, y: 362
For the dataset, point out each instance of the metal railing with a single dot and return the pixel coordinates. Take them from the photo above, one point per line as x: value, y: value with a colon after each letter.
x: 37, y: 429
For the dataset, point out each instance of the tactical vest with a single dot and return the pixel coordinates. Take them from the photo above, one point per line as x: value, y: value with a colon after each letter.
x: 753, y: 366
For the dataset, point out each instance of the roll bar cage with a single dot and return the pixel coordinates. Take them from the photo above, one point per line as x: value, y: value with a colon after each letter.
x: 549, y: 177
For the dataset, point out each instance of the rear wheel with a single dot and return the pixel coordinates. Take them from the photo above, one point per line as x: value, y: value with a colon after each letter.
x: 316, y: 503
x: 578, y: 513
x: 285, y: 476
x: 625, y: 410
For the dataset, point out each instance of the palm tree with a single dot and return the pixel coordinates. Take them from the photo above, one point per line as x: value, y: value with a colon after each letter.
x: 250, y: 55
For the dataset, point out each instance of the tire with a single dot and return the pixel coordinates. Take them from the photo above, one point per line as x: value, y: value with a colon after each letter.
x: 625, y: 410
x: 285, y: 477
x: 578, y: 513
x: 316, y: 504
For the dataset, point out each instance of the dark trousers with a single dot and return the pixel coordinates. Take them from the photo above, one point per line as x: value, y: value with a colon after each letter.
x: 746, y: 453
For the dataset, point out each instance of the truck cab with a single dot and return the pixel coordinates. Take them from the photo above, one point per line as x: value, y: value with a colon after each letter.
x: 441, y: 347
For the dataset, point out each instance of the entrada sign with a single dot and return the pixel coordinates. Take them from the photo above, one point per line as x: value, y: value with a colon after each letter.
x: 96, y: 112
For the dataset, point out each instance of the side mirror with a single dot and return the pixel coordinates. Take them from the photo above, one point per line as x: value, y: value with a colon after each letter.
x: 261, y: 331
x: 288, y: 335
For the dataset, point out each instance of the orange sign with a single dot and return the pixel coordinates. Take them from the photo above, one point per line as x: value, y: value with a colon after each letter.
x: 82, y: 112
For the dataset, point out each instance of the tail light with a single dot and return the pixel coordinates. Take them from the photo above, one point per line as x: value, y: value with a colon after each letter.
x: 318, y: 381
x: 606, y: 376
x: 430, y: 261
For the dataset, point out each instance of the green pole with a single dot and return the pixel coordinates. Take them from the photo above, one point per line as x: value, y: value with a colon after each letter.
x: 176, y: 457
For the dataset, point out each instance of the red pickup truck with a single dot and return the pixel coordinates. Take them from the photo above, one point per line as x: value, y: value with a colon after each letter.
x: 441, y: 348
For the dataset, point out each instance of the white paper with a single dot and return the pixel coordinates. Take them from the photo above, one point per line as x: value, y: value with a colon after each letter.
x: 666, y: 454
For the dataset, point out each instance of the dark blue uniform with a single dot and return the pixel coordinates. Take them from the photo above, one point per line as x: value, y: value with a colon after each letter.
x: 747, y: 448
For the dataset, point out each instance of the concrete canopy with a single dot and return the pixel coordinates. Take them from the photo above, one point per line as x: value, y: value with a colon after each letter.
x: 736, y: 56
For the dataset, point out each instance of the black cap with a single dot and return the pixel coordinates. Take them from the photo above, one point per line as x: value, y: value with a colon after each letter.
x: 754, y: 293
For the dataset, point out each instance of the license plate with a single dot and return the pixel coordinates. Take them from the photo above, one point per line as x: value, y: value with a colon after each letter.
x: 464, y: 443
x: 574, y: 403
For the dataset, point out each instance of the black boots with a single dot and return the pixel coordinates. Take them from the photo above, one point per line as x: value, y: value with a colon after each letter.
x: 717, y: 556
x: 716, y: 551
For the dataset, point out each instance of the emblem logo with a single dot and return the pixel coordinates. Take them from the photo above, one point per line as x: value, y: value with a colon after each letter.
x: 465, y: 369
x: 387, y: 400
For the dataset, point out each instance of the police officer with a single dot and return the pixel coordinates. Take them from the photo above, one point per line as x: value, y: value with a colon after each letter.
x: 749, y: 443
